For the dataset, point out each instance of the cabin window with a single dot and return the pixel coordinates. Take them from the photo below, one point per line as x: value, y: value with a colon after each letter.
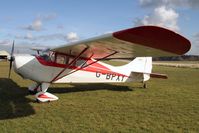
x: 79, y: 63
x: 64, y: 59
x: 70, y: 60
x: 46, y: 57
x: 61, y: 59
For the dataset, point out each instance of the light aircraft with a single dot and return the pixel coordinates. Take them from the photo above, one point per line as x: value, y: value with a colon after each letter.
x: 79, y: 62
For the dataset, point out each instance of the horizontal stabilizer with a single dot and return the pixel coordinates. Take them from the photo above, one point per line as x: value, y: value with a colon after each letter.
x: 154, y: 75
x: 157, y: 75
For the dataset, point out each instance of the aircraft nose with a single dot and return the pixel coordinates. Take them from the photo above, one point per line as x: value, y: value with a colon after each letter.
x: 21, y: 60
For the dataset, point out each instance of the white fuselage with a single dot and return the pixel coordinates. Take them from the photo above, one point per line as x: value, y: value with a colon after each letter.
x: 38, y: 69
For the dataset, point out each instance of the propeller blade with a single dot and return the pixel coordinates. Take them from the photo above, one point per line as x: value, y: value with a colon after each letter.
x: 12, y: 51
x: 11, y: 58
x: 10, y: 68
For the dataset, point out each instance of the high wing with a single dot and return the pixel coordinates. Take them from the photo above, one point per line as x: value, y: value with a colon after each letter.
x: 135, y: 42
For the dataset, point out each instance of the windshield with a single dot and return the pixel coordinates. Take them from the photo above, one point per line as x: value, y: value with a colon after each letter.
x: 48, y: 56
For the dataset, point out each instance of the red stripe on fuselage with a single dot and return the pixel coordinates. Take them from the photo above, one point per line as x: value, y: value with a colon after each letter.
x: 96, y: 67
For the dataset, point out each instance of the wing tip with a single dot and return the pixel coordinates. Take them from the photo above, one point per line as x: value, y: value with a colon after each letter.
x: 155, y: 37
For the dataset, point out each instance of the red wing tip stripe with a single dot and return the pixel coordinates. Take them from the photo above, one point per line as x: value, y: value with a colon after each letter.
x: 155, y: 37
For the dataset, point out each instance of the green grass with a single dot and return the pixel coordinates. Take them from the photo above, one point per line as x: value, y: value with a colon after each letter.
x: 166, y: 106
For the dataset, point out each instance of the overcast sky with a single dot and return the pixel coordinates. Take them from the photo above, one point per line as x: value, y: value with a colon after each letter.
x: 54, y: 22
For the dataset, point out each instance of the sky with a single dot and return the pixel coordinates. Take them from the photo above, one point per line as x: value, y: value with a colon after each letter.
x: 50, y: 23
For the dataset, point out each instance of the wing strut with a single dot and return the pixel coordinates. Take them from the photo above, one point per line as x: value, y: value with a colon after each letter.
x: 101, y: 59
x: 82, y: 67
x: 87, y: 60
x: 75, y: 59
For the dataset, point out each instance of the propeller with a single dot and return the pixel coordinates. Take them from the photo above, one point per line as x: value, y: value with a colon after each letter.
x: 11, y: 58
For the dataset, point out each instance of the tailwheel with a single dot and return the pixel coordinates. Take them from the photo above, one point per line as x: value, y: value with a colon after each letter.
x: 144, y: 85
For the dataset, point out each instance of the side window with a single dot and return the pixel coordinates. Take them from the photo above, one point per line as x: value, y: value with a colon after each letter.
x: 67, y: 59
x: 61, y: 59
x: 79, y: 63
x: 70, y: 60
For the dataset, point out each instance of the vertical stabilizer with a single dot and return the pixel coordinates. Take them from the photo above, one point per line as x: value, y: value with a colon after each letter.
x: 140, y: 67
x: 139, y: 64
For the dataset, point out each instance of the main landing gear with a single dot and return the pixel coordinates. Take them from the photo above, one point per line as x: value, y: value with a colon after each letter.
x: 39, y: 89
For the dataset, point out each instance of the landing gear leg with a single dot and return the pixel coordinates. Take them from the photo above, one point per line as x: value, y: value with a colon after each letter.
x: 34, y: 88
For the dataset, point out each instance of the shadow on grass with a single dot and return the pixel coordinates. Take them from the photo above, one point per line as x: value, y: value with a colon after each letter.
x: 88, y: 87
x: 13, y: 101
x: 14, y: 104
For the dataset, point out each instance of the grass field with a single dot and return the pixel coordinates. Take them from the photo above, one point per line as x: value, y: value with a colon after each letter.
x: 181, y: 64
x: 166, y: 106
